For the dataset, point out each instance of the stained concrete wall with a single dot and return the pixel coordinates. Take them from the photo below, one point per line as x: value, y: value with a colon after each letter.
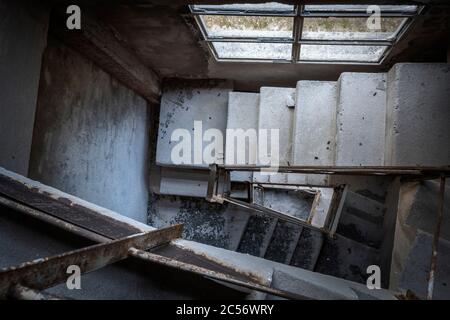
x: 91, y: 134
x: 418, y: 115
x: 414, y: 229
x: 23, y: 36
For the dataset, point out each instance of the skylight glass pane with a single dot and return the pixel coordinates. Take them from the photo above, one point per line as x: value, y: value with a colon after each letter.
x: 344, y: 53
x: 359, y: 8
x: 247, y: 7
x: 247, y: 26
x: 251, y: 50
x: 349, y: 29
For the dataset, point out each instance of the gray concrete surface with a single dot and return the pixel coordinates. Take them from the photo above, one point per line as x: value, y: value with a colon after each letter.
x: 160, y: 27
x: 418, y: 115
x: 274, y: 113
x: 184, y: 182
x: 23, y: 37
x: 218, y: 225
x: 243, y: 110
x: 91, y: 135
x: 361, y: 117
x: 135, y: 281
x: 182, y: 104
x: 411, y: 253
x: 315, y: 126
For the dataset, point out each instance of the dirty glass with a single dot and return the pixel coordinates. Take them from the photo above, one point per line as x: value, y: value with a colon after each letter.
x: 247, y: 26
x: 344, y: 53
x: 334, y: 28
x: 248, y: 50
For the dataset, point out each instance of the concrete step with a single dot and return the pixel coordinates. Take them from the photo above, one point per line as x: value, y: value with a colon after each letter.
x: 184, y: 102
x: 183, y: 182
x: 213, y: 224
x: 359, y: 229
x: 418, y: 115
x: 416, y: 268
x: 257, y: 235
x: 276, y: 112
x: 364, y: 207
x: 243, y: 115
x: 283, y: 243
x: 307, y: 250
x: 345, y: 258
x: 361, y: 117
x: 314, y: 126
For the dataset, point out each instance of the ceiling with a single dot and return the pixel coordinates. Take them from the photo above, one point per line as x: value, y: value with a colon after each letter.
x: 165, y: 38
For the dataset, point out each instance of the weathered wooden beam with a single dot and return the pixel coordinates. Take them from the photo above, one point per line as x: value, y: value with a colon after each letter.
x: 100, y: 44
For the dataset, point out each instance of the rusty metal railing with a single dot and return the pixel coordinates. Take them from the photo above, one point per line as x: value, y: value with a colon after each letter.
x: 406, y: 173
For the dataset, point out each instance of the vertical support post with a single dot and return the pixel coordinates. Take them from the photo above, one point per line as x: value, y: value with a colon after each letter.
x: 210, y: 194
x: 436, y: 236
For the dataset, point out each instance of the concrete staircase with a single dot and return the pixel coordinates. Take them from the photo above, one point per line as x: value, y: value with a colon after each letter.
x: 358, y: 120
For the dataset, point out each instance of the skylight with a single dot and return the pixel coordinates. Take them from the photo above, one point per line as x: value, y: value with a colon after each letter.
x: 277, y: 32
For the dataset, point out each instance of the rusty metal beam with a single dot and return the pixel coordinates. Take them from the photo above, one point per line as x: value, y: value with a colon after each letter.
x: 172, y: 263
x: 272, y: 213
x: 349, y: 170
x: 48, y: 272
x: 437, y: 232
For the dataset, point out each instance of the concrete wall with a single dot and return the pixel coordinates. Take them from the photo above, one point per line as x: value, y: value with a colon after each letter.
x: 418, y: 115
x: 91, y: 134
x: 23, y: 36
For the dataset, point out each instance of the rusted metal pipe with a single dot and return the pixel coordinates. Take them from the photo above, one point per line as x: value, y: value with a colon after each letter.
x: 416, y: 171
x: 437, y: 232
x: 168, y: 262
x: 48, y: 272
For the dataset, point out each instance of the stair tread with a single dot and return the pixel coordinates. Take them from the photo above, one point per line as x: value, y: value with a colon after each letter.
x: 283, y: 243
x: 360, y: 120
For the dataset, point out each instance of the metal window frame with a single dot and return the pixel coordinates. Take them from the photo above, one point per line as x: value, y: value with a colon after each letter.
x: 298, y: 15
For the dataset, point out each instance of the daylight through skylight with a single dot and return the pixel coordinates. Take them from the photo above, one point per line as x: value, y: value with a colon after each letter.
x: 313, y: 33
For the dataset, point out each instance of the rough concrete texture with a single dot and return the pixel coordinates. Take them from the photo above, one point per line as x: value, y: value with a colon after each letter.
x: 91, y: 135
x: 212, y: 224
x: 184, y: 182
x: 418, y: 115
x: 301, y: 281
x: 284, y: 242
x: 423, y: 211
x: 364, y: 207
x: 23, y: 37
x: 296, y: 203
x: 274, y: 113
x: 346, y: 258
x: 257, y: 235
x: 411, y: 253
x: 183, y: 103
x: 359, y: 229
x: 322, y: 207
x: 130, y: 279
x: 362, y: 220
x: 361, y: 119
x: 314, y: 126
x: 160, y: 26
x: 242, y: 114
x: 307, y: 249
x: 417, y: 268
